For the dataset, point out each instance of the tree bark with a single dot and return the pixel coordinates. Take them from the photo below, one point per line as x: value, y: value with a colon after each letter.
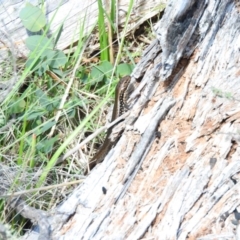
x: 174, y: 174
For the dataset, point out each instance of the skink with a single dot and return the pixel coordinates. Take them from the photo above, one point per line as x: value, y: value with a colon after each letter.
x: 122, y: 92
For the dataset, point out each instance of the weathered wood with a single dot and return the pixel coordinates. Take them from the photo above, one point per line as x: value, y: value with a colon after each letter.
x: 187, y: 186
x: 73, y: 14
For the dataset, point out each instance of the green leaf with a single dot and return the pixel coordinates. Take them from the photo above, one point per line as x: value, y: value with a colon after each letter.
x: 32, y: 18
x: 38, y: 42
x: 45, y: 127
x: 106, y: 67
x: 49, y: 59
x: 71, y: 113
x: 96, y: 74
x: 17, y: 107
x: 42, y: 98
x: 124, y: 69
x: 35, y: 114
x: 35, y: 66
x: 42, y: 69
x: 45, y: 102
x: 55, y: 59
x: 45, y: 146
x: 100, y: 71
x: 38, y: 121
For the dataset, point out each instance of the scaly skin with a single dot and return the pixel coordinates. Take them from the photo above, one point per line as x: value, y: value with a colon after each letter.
x: 121, y: 96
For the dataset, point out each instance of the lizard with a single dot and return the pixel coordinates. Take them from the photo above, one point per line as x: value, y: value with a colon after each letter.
x: 122, y: 92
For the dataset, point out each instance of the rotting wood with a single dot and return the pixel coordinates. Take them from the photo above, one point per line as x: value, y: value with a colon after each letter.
x: 188, y: 184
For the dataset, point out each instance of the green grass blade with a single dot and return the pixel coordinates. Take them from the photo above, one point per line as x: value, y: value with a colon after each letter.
x: 60, y: 150
x: 104, y: 55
